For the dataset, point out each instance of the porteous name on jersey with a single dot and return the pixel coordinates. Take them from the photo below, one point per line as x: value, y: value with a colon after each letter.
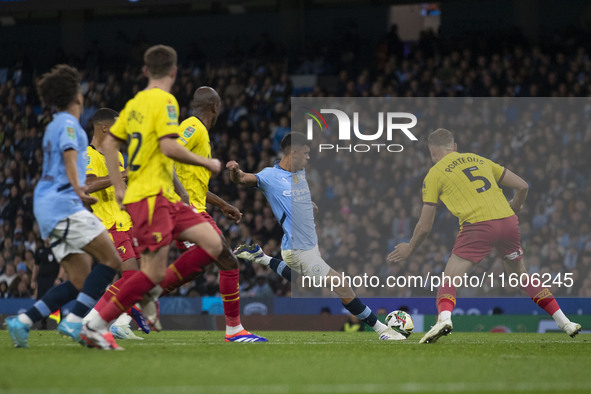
x: 135, y: 115
x: 463, y: 160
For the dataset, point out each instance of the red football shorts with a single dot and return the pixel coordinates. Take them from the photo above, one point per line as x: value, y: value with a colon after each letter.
x: 124, y: 244
x: 157, y: 221
x: 182, y: 246
x: 476, y: 240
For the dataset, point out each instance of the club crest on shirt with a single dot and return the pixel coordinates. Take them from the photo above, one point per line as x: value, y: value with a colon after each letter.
x: 122, y: 249
x: 188, y: 132
x: 172, y: 115
x: 71, y: 133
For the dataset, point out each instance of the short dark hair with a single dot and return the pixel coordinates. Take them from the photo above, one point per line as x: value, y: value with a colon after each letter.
x: 294, y: 139
x: 159, y: 60
x: 104, y: 115
x: 60, y: 86
x: 441, y: 138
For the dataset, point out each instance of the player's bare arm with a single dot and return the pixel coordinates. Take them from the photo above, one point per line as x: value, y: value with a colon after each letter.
x: 96, y: 183
x: 227, y: 209
x: 70, y: 158
x: 179, y: 188
x: 34, y: 278
x: 420, y: 234
x: 240, y: 177
x: 173, y: 150
x: 111, y: 152
x: 520, y: 188
x: 62, y: 276
x: 315, y: 208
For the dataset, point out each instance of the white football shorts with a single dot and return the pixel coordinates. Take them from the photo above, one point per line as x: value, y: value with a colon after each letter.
x: 73, y: 233
x: 306, y: 262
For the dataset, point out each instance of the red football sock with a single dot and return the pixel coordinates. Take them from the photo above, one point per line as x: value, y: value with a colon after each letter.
x: 114, y: 289
x: 230, y: 296
x: 446, y: 298
x: 189, y: 265
x: 543, y: 297
x: 133, y: 290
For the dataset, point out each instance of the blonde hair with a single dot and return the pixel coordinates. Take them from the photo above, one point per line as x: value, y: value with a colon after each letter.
x: 441, y: 138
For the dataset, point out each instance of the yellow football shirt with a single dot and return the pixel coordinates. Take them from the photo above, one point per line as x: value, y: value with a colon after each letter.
x: 149, y: 116
x: 468, y: 186
x: 195, y: 137
x: 106, y: 209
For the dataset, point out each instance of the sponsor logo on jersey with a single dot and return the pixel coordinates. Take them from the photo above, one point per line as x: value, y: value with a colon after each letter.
x: 188, y: 132
x: 172, y: 115
x: 71, y: 133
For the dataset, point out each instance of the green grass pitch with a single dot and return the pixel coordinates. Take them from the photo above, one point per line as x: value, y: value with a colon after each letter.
x: 300, y: 362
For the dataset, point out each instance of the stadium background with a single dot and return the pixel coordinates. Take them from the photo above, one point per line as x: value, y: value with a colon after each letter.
x: 257, y: 55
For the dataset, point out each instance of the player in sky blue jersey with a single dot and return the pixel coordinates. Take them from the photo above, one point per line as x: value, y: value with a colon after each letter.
x: 285, y: 187
x: 74, y: 233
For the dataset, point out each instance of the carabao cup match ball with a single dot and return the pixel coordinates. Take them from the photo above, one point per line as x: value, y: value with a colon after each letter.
x: 401, y: 322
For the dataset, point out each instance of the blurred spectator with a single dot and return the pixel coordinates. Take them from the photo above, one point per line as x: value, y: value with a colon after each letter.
x: 352, y: 324
x: 9, y: 274
x: 261, y: 287
x: 4, y: 289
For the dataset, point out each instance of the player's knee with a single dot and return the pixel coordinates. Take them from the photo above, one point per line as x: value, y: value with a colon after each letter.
x: 113, y: 261
x: 214, y: 248
x: 226, y: 260
x: 156, y: 276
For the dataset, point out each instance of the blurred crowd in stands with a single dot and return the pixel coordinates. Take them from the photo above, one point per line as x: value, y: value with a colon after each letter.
x: 548, y: 148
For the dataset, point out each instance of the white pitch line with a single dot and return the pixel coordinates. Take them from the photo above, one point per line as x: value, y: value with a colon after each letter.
x: 410, y: 387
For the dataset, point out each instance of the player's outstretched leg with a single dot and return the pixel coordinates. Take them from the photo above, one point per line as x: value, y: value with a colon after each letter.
x: 134, y: 311
x: 358, y: 308
x: 365, y: 314
x: 446, y: 301
x: 229, y: 283
x: 255, y: 254
x: 94, y: 285
x: 19, y: 326
x: 185, y: 268
x: 96, y: 331
x: 544, y: 299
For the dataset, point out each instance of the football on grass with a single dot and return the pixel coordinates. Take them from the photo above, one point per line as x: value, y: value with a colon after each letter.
x: 401, y: 322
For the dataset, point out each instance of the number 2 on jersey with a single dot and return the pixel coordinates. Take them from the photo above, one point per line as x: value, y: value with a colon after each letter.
x: 474, y: 178
x: 135, y: 136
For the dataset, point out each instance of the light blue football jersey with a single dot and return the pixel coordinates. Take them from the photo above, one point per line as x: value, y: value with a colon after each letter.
x: 290, y: 199
x: 54, y: 197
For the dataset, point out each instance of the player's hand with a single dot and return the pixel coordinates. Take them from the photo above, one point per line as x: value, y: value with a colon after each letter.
x: 84, y: 197
x: 400, y: 253
x: 514, y: 208
x: 233, y: 166
x: 215, y: 166
x: 232, y: 213
x: 119, y: 195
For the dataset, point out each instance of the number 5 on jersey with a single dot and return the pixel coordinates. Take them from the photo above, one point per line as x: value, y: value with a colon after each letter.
x: 474, y: 178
